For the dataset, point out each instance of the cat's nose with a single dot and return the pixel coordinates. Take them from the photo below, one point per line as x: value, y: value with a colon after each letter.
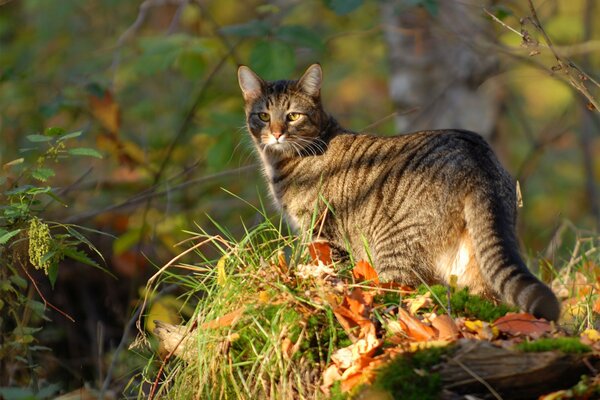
x: 276, y: 134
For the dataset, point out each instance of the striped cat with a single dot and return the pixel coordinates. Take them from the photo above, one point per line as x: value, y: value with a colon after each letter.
x: 424, y: 206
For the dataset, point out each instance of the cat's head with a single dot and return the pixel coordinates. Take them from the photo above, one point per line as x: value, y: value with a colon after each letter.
x: 285, y: 117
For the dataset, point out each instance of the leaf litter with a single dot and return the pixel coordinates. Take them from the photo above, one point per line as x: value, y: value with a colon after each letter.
x: 381, y: 331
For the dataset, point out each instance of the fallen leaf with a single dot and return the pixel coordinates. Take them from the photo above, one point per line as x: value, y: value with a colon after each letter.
x: 522, y: 324
x: 363, y: 271
x: 320, y: 251
x: 414, y: 328
x: 226, y: 320
x: 330, y: 376
x: 342, y: 358
x: 319, y: 271
x: 446, y: 327
x: 359, y: 302
x: 416, y: 303
x: 483, y: 330
x: 590, y: 336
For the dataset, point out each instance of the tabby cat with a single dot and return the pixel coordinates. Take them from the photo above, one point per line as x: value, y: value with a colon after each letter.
x: 423, y: 206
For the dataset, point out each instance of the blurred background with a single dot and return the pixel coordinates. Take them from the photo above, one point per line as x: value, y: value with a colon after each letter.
x: 152, y: 86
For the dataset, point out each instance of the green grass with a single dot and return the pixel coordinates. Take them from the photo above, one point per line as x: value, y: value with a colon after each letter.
x: 284, y: 337
x: 286, y: 333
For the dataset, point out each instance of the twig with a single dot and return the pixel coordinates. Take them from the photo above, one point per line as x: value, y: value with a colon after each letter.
x: 46, y: 302
x: 574, y: 75
x: 151, y: 193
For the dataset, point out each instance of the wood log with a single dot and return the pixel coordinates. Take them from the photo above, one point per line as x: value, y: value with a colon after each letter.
x: 482, y: 369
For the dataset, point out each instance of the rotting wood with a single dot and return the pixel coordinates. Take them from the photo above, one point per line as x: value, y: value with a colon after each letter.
x: 511, y: 374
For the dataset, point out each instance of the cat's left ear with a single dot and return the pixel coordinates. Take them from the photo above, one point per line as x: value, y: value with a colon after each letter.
x: 310, y: 83
x: 250, y: 83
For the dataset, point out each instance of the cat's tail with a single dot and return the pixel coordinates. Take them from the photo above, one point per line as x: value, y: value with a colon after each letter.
x: 491, y: 226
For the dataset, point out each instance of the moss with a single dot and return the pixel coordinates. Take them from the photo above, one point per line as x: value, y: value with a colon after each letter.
x: 409, y: 377
x: 465, y: 304
x: 569, y: 345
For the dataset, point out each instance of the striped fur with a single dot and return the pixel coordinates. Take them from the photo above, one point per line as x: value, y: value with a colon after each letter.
x: 429, y: 204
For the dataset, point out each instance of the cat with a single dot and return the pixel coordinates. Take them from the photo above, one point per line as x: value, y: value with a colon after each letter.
x: 422, y: 206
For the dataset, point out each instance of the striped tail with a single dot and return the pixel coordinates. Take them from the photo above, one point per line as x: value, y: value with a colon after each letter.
x: 491, y: 226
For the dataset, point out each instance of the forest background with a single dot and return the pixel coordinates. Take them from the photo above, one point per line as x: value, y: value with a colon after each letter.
x: 152, y: 88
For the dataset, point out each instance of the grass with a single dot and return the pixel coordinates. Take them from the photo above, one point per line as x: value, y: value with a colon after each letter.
x: 285, y: 331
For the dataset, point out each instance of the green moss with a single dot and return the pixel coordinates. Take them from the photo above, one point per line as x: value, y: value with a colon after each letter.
x: 569, y: 345
x: 409, y: 377
x: 465, y: 304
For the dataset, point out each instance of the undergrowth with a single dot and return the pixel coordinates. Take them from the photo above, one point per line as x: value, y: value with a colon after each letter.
x: 264, y: 331
x: 283, y: 335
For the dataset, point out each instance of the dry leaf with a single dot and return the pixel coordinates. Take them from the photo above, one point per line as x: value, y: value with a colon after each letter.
x: 483, y: 330
x: 106, y: 110
x: 287, y: 347
x: 330, y: 376
x: 522, y: 324
x: 320, y: 251
x: 447, y: 328
x: 418, y: 302
x: 359, y: 302
x: 319, y: 271
x: 363, y: 271
x: 226, y: 320
x: 414, y: 328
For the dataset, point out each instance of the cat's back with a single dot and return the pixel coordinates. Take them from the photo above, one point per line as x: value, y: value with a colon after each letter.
x: 445, y: 154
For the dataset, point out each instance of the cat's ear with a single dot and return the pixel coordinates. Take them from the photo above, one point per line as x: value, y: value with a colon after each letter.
x: 310, y: 83
x: 250, y: 83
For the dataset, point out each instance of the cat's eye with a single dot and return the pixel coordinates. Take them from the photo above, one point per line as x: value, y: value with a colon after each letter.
x: 293, y: 116
x: 264, y: 116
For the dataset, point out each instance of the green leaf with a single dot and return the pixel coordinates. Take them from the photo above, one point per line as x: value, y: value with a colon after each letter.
x: 84, y: 151
x: 191, y: 64
x: 54, y: 131
x: 42, y: 173
x: 273, y: 59
x: 53, y: 273
x: 126, y: 241
x: 77, y: 235
x: 343, y: 7
x: 254, y: 28
x: 38, y: 308
x: 69, y: 136
x: 80, y: 256
x: 300, y: 35
x: 6, y: 236
x: 35, y: 138
x: 19, y: 281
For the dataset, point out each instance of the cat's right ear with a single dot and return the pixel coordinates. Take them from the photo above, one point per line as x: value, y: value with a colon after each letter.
x: 250, y: 83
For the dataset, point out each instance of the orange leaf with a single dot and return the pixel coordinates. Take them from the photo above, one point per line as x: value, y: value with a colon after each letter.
x: 226, y: 320
x: 106, y: 110
x: 363, y: 271
x: 522, y: 324
x: 359, y: 302
x: 597, y: 306
x: 447, y: 329
x: 415, y: 328
x: 320, y: 251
